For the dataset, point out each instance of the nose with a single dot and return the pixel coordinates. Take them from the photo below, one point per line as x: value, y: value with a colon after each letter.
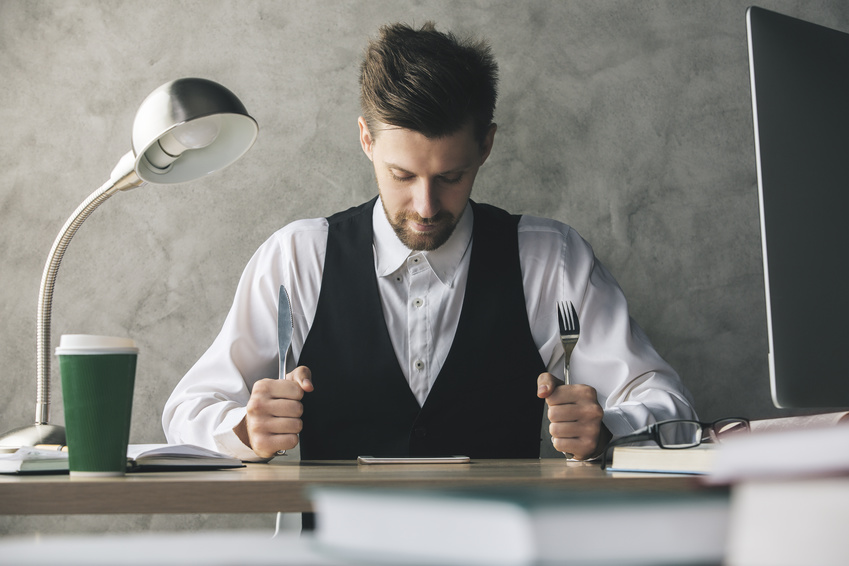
x: 425, y: 199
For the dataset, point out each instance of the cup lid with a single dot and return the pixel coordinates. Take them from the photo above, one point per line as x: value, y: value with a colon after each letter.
x: 94, y: 344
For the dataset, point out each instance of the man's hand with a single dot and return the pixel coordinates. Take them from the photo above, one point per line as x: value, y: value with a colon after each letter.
x: 273, y: 420
x: 575, y: 416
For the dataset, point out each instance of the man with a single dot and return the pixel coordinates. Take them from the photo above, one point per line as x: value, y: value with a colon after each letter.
x: 424, y: 323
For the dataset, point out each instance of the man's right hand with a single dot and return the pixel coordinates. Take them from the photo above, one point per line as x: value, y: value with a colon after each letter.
x: 273, y: 420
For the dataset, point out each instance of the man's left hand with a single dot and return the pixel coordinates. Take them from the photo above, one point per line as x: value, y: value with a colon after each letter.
x: 575, y: 416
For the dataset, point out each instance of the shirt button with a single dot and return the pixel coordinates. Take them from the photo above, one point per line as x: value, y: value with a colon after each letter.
x: 418, y: 302
x: 416, y: 259
x: 419, y: 364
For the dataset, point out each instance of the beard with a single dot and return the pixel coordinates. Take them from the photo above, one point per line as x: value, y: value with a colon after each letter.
x: 443, y: 226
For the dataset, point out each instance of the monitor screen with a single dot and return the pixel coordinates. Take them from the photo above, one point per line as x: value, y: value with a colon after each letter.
x: 800, y: 100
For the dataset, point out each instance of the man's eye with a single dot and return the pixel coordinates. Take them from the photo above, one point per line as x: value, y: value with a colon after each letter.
x: 452, y: 179
x: 402, y: 178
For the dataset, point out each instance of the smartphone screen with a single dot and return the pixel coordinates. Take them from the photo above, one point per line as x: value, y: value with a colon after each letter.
x: 414, y: 460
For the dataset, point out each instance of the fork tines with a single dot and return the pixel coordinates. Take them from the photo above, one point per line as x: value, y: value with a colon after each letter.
x: 567, y: 317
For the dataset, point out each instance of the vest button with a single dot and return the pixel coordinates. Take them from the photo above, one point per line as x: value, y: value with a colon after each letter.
x: 420, y: 431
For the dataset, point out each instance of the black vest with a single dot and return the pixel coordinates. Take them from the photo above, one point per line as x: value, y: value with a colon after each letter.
x: 483, y: 403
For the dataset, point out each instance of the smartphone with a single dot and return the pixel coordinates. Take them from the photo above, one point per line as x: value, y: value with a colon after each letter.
x: 413, y: 459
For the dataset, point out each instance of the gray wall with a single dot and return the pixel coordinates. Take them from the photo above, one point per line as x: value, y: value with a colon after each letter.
x: 630, y: 120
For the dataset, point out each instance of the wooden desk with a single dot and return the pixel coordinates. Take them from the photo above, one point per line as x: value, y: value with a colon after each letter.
x: 281, y: 485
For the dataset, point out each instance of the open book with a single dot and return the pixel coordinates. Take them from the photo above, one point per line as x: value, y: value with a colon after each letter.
x: 144, y: 457
x: 140, y: 457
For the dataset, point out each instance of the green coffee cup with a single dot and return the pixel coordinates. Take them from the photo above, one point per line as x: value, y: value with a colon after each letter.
x: 98, y: 375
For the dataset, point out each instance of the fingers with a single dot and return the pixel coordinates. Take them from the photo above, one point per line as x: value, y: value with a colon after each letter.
x: 266, y: 446
x: 274, y: 411
x: 575, y: 427
x: 302, y: 376
x: 575, y: 416
x: 278, y: 389
x: 578, y: 437
x: 546, y: 385
x: 555, y: 392
x: 582, y: 441
x: 262, y: 406
x: 578, y: 448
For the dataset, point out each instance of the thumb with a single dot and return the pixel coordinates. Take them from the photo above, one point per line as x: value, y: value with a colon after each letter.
x: 303, y: 376
x: 546, y: 383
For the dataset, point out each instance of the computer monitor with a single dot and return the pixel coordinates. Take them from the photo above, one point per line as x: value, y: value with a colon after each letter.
x: 800, y: 99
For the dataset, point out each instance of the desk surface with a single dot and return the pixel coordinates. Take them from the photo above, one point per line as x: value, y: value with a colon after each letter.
x: 281, y: 485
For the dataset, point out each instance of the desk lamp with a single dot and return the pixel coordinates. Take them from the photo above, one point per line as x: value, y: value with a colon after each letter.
x: 182, y: 131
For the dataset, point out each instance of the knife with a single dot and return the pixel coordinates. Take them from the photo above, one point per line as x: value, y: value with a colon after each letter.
x: 285, y: 327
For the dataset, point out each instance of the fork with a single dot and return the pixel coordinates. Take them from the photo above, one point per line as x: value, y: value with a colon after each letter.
x: 570, y: 330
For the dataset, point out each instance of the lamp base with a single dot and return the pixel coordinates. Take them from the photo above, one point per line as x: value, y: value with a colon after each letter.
x: 32, y: 435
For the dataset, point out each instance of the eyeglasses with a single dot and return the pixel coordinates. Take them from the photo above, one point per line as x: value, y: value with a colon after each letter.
x: 678, y: 434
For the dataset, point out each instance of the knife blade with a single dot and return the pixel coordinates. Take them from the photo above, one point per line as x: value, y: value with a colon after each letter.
x: 285, y: 327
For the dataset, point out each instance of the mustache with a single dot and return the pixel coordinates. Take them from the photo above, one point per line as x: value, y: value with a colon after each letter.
x: 441, y: 216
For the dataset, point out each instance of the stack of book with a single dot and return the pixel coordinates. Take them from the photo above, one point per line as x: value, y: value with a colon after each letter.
x: 702, y: 459
x: 789, y: 496
x: 521, y: 526
x: 697, y: 460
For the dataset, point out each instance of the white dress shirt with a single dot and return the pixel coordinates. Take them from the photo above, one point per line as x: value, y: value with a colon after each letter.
x: 422, y: 295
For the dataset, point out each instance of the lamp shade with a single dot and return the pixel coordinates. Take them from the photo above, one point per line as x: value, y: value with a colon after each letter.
x: 188, y: 128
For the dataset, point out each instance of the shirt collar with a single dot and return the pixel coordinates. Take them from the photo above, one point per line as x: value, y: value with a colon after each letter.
x: 390, y: 254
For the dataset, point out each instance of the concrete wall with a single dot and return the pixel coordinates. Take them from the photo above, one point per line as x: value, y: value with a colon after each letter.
x: 630, y: 120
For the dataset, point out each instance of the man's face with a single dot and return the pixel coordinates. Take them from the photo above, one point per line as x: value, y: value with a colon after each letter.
x: 424, y: 183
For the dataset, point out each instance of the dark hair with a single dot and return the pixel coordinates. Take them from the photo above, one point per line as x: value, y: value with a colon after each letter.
x: 427, y: 81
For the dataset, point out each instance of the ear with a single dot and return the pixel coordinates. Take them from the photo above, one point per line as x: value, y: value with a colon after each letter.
x: 488, y: 140
x: 366, y: 139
